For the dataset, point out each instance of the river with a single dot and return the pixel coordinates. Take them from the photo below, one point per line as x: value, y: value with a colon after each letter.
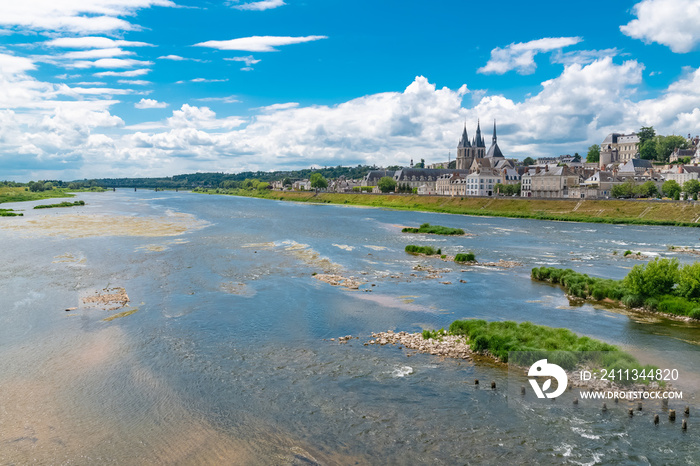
x: 228, y: 358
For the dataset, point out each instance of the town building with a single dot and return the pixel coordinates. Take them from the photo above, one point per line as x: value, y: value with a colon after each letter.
x: 618, y: 147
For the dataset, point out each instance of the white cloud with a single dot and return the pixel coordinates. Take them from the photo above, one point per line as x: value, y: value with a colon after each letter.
x: 521, y: 56
x: 257, y: 43
x: 260, y: 5
x: 248, y: 60
x: 95, y: 53
x: 673, y: 23
x: 78, y: 16
x: 203, y: 80
x: 109, y: 63
x: 172, y: 57
x: 125, y: 74
x: 276, y: 107
x: 93, y: 42
x: 583, y: 57
x: 134, y: 82
x: 227, y: 100
x: 149, y: 103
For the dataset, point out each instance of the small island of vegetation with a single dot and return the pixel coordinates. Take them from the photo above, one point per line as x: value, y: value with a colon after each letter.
x: 465, y: 257
x: 61, y: 204
x: 662, y: 285
x: 427, y: 250
x: 434, y: 230
x: 9, y: 213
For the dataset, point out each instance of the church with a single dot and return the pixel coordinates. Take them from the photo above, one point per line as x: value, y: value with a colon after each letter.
x: 467, y: 151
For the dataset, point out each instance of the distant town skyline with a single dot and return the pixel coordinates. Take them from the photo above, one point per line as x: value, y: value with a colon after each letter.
x: 111, y: 88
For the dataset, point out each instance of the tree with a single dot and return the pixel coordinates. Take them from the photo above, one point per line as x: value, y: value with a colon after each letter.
x: 386, y: 184
x: 593, y: 154
x: 671, y: 188
x: 452, y: 165
x: 624, y: 190
x: 665, y: 145
x: 647, y: 149
x: 656, y: 279
x: 647, y: 189
x: 318, y: 181
x: 691, y: 187
x: 528, y: 161
x: 645, y: 133
x: 287, y: 181
x: 420, y: 165
x: 689, y: 281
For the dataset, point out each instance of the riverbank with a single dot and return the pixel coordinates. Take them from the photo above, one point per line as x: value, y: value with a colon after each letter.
x: 572, y: 210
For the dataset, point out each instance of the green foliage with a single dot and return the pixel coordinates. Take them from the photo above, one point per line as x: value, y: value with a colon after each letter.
x: 507, y: 189
x: 427, y: 250
x: 421, y: 164
x: 691, y: 187
x: 434, y: 229
x: 287, y: 181
x: 624, y: 190
x: 659, y: 285
x: 386, y: 184
x: 671, y: 188
x: 647, y: 189
x: 465, y: 257
x: 527, y: 161
x: 593, y: 153
x: 657, y: 278
x: 318, y: 181
x: 500, y: 338
x: 689, y: 281
x: 434, y: 334
x: 647, y: 149
x: 9, y: 213
x: 363, y: 189
x: 627, y: 253
x: 646, y: 133
x: 665, y: 145
x: 62, y: 204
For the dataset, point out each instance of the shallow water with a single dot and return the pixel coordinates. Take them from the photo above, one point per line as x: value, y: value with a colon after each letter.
x: 227, y: 358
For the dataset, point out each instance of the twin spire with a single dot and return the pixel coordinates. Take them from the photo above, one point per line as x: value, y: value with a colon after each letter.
x: 478, y: 140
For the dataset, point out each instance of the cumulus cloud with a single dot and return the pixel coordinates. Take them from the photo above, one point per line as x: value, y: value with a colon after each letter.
x: 260, y: 5
x: 521, y: 56
x: 78, y: 16
x: 257, y: 43
x: 149, y: 103
x: 673, y: 23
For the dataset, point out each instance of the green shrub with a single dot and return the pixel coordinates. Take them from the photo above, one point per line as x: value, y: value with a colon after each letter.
x: 468, y: 257
x: 627, y: 253
x: 427, y: 250
x: 434, y: 229
x: 657, y: 278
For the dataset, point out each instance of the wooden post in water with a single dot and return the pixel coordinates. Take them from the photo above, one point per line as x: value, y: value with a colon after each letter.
x: 656, y: 419
x: 605, y: 407
x: 522, y: 390
x: 476, y: 381
x: 639, y: 406
x: 493, y: 385
x: 684, y: 425
x: 687, y: 411
x: 631, y: 412
x: 672, y: 415
x: 575, y: 401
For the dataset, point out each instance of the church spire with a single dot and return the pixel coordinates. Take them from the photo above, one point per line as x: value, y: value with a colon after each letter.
x: 479, y: 140
x: 464, y: 142
x: 494, y: 132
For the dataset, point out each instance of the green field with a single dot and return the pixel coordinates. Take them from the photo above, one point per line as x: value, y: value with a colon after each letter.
x: 8, y: 194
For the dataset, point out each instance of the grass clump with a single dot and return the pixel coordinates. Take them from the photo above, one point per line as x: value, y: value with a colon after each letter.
x: 661, y: 285
x: 9, y: 213
x: 61, y: 204
x: 427, y: 250
x: 434, y: 334
x: 465, y: 257
x: 535, y: 342
x: 434, y: 230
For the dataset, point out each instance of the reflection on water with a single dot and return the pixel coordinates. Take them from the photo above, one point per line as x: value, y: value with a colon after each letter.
x: 228, y: 359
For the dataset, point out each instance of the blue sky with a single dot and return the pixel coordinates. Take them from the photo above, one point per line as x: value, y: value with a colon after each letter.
x: 107, y: 88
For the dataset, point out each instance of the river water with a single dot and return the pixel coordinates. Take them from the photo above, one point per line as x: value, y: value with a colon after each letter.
x: 228, y: 358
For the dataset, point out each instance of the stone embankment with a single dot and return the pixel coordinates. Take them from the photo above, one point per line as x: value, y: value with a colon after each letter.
x: 450, y: 346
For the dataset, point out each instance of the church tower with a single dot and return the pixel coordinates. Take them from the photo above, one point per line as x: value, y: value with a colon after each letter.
x: 479, y: 145
x: 494, y: 150
x: 464, y: 158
